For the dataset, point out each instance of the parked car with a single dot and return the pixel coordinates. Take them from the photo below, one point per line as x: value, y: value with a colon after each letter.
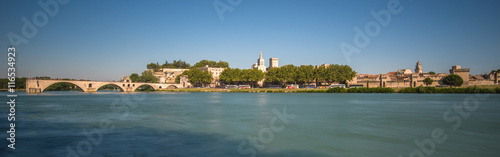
x: 308, y: 86
x: 337, y: 85
x: 273, y: 86
x: 231, y: 86
x: 292, y: 86
x: 244, y: 86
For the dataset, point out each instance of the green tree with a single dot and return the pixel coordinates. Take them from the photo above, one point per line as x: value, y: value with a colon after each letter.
x: 220, y: 64
x: 332, y: 74
x: 272, y: 76
x: 176, y: 64
x: 178, y: 79
x: 453, y: 80
x: 153, y: 66
x: 198, y: 77
x: 346, y: 73
x: 231, y: 76
x: 134, y: 77
x: 148, y: 76
x: 320, y: 74
x: 20, y: 83
x: 432, y: 73
x: 428, y: 81
x: 288, y: 74
x: 305, y: 74
x: 251, y: 76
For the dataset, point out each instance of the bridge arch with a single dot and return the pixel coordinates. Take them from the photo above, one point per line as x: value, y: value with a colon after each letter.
x: 172, y: 87
x: 143, y: 84
x: 73, y: 83
x: 116, y: 84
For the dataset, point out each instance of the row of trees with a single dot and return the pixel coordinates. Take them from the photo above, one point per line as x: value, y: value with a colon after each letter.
x: 282, y: 75
x: 183, y: 65
x: 245, y: 76
x: 176, y: 64
x: 220, y: 64
x: 308, y: 73
x: 20, y: 83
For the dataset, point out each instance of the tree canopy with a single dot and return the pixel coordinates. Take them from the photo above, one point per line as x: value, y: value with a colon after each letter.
x: 197, y: 77
x: 428, y: 81
x: 148, y: 77
x: 308, y: 73
x: 245, y: 76
x: 134, y: 77
x: 432, y: 73
x: 453, y: 80
x: 176, y: 64
x: 220, y: 64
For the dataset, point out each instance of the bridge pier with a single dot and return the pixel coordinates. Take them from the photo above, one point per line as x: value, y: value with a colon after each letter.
x: 33, y: 90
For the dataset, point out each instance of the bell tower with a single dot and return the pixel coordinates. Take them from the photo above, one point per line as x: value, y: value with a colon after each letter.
x: 260, y: 61
x: 418, y: 67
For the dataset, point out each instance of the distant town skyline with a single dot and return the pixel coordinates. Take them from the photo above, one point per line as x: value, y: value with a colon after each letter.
x: 107, y: 40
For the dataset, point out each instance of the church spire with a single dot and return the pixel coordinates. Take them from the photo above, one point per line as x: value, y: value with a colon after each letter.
x: 418, y: 67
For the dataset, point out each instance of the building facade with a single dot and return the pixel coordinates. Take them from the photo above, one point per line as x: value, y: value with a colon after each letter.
x: 260, y: 64
x: 167, y: 75
x: 273, y: 62
x: 215, y: 71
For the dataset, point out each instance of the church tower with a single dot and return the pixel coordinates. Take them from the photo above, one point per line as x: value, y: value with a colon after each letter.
x: 418, y: 67
x: 260, y: 64
x: 260, y: 61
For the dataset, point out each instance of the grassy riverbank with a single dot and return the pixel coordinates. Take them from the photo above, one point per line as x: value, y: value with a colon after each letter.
x: 470, y: 89
x: 254, y: 90
x: 421, y: 89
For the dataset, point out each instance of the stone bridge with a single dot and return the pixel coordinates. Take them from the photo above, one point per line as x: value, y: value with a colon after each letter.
x: 38, y: 86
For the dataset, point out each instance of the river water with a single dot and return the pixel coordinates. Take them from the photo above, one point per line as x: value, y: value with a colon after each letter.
x: 246, y: 124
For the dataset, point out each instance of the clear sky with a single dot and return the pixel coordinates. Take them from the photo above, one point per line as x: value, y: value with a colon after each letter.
x: 106, y: 40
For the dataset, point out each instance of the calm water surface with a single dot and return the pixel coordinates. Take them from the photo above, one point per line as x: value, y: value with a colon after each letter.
x: 221, y: 124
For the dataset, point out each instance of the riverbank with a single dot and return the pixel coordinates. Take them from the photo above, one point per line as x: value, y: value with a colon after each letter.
x: 471, y: 89
x: 17, y: 90
x: 253, y: 90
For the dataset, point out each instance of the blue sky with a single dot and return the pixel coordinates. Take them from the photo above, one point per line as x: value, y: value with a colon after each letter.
x: 106, y: 40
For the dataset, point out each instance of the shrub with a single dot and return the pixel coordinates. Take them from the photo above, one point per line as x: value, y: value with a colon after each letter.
x: 336, y: 90
x: 370, y: 90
